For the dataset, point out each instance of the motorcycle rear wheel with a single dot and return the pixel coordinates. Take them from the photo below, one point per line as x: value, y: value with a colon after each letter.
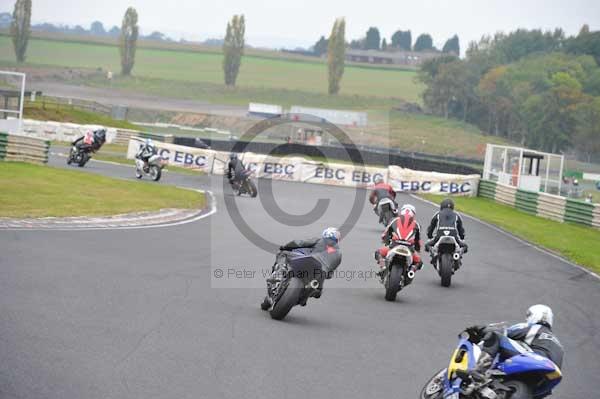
x: 288, y: 299
x: 446, y: 269
x: 83, y: 160
x: 252, y: 189
x: 393, y: 283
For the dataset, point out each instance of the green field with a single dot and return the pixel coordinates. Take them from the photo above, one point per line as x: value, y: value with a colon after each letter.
x: 206, y: 67
x: 575, y: 242
x: 39, y: 191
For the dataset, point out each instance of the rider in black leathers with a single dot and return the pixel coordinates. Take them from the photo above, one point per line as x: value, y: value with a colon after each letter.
x: 98, y: 139
x: 325, y: 250
x: 235, y: 169
x: 446, y: 220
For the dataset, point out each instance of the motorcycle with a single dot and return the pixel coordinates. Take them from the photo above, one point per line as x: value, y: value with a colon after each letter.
x: 397, y: 273
x: 296, y: 277
x: 446, y: 257
x: 385, y: 210
x: 80, y: 155
x: 154, y: 168
x: 524, y: 376
x: 244, y: 185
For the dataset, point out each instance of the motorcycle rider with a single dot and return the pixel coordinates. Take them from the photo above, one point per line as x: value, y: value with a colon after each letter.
x: 380, y: 191
x: 536, y: 334
x: 446, y: 219
x: 404, y: 228
x: 145, y: 152
x: 235, y: 169
x: 92, y: 139
x: 326, y: 252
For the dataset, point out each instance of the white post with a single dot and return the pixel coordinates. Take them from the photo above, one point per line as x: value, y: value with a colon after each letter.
x: 21, y: 101
x: 560, y: 172
x: 520, y: 167
x: 549, y: 163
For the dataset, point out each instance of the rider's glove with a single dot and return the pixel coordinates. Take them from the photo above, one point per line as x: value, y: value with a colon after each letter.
x: 465, y: 248
x: 475, y: 333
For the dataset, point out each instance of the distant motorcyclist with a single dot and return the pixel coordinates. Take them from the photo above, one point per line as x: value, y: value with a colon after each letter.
x: 381, y: 190
x: 325, y: 250
x: 403, y: 230
x: 235, y: 169
x: 535, y: 334
x: 91, y: 140
x: 446, y: 219
x: 146, y: 151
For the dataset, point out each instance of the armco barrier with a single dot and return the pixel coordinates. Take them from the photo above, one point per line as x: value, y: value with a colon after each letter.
x: 124, y: 135
x: 487, y: 189
x: 25, y: 149
x: 548, y: 206
x: 551, y: 207
x: 579, y: 212
x: 526, y: 201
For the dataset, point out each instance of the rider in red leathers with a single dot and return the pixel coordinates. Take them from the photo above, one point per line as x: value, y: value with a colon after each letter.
x: 404, y: 229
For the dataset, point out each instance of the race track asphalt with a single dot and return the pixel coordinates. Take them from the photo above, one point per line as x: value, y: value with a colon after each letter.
x: 135, y: 313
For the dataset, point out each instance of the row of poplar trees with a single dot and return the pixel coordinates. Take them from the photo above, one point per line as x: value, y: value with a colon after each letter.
x: 233, y: 45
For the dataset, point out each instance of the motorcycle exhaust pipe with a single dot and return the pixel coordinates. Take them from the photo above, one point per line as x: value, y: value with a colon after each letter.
x: 411, y: 274
x: 314, y: 284
x: 456, y: 256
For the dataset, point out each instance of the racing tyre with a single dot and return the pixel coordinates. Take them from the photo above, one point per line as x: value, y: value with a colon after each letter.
x: 70, y: 158
x: 393, y: 283
x: 387, y: 216
x: 138, y: 174
x: 252, y: 189
x: 83, y: 160
x: 434, y: 389
x: 446, y: 268
x: 288, y: 299
x: 155, y: 172
x: 519, y: 389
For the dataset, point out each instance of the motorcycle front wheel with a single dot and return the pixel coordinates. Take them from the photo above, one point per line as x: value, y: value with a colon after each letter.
x: 155, y: 172
x: 434, y: 389
x: 83, y: 160
x: 288, y: 299
x: 519, y: 390
x: 252, y: 189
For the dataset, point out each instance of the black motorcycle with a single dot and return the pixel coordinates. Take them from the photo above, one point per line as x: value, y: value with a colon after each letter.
x: 398, y: 272
x: 296, y: 277
x: 385, y: 210
x: 81, y: 152
x: 244, y: 185
x: 446, y: 257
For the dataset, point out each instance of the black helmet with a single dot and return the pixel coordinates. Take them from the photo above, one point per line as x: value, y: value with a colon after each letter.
x: 447, y: 203
x: 101, y: 133
x: 232, y: 156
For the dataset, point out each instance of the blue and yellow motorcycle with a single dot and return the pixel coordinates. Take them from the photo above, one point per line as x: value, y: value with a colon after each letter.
x: 525, y: 376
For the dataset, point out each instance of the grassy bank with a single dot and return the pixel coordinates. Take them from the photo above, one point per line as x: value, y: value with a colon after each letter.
x: 256, y: 71
x: 575, y: 242
x: 38, y: 191
x: 43, y: 111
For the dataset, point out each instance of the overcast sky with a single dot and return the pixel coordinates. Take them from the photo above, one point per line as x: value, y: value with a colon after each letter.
x: 278, y: 23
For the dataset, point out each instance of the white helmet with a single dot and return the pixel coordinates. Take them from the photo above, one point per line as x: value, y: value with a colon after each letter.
x: 331, y: 233
x: 540, y: 314
x: 408, y: 207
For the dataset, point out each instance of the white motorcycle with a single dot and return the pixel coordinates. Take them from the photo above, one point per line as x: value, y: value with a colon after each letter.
x: 385, y: 210
x: 446, y: 257
x: 398, y: 272
x: 153, y: 169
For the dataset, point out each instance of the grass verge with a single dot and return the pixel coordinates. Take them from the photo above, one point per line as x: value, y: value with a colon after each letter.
x: 575, y: 242
x: 43, y: 111
x: 39, y: 191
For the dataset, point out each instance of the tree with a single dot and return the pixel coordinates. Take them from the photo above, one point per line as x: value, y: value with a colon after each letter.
x: 233, y: 48
x: 384, y: 44
x: 372, y: 39
x: 587, y: 133
x: 97, y: 28
x: 20, y: 28
x: 114, y: 31
x: 357, y: 44
x: 402, y: 39
x: 336, y: 53
x: 452, y: 45
x: 320, y: 46
x: 424, y: 43
x: 128, y: 40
